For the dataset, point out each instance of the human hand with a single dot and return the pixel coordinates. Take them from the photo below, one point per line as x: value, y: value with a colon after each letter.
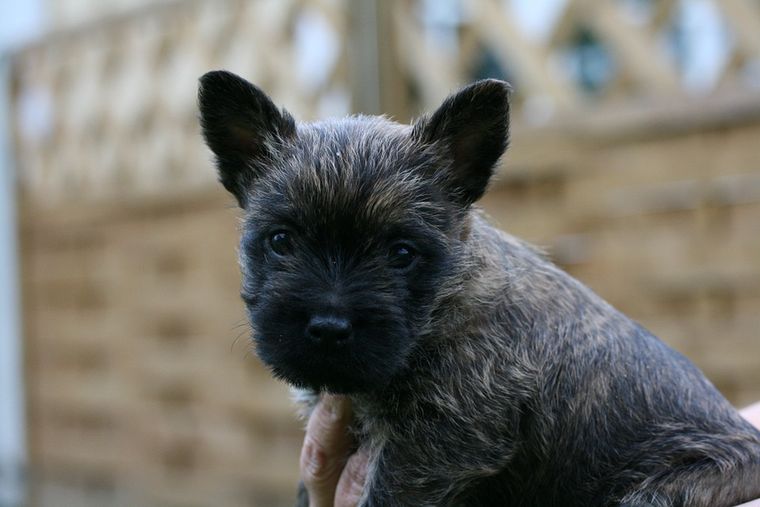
x: 332, y: 477
x: 752, y: 414
x: 335, y: 479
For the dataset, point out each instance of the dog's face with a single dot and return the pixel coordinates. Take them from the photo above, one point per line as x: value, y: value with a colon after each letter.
x: 352, y: 227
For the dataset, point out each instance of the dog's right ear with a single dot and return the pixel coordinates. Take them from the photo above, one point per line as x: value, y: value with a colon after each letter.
x: 243, y: 128
x: 472, y: 128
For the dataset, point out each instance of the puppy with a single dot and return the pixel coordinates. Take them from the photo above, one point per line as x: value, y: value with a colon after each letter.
x: 480, y: 373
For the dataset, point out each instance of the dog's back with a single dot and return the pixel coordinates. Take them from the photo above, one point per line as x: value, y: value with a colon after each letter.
x: 616, y: 416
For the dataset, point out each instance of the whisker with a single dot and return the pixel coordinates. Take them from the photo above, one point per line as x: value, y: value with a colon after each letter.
x: 244, y: 332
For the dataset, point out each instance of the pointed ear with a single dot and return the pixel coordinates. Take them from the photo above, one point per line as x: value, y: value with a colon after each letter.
x: 243, y: 128
x: 472, y: 127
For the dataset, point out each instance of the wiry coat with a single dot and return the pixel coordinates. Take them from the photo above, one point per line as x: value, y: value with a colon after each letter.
x: 539, y: 392
x: 480, y: 373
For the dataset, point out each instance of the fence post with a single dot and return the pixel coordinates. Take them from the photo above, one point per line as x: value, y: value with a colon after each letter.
x: 393, y: 86
x: 363, y: 56
x: 12, y: 436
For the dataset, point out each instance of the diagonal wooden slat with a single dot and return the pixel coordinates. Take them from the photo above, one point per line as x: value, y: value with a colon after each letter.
x: 744, y: 17
x: 635, y: 47
x: 434, y: 71
x: 566, y: 24
x: 529, y: 61
x: 662, y: 12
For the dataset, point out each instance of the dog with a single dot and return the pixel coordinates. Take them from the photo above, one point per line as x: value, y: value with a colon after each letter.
x: 479, y: 373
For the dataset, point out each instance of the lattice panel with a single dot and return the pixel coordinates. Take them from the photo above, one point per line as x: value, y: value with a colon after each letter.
x: 596, y: 53
x: 110, y: 110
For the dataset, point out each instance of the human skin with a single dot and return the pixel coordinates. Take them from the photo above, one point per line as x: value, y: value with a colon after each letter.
x: 752, y: 414
x: 332, y: 476
x: 335, y: 478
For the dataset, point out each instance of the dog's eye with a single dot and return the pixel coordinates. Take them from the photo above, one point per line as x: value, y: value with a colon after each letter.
x: 402, y: 255
x: 280, y: 243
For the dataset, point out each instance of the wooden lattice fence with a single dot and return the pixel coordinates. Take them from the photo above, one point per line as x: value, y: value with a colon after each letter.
x: 141, y: 390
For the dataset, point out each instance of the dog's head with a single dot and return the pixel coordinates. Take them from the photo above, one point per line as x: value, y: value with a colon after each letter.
x: 352, y: 227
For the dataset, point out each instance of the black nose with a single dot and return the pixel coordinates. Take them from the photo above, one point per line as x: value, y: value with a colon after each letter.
x: 329, y: 330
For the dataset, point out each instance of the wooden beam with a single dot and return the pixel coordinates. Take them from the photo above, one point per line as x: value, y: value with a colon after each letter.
x: 529, y: 60
x: 744, y: 17
x: 431, y: 70
x: 636, y: 49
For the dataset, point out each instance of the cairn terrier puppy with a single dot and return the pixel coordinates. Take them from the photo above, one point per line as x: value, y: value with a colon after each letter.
x: 480, y: 373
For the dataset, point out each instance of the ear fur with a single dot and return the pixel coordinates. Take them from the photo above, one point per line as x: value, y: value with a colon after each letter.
x: 243, y: 128
x: 472, y: 126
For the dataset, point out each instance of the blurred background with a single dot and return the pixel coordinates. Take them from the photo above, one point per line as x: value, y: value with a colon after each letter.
x: 126, y: 375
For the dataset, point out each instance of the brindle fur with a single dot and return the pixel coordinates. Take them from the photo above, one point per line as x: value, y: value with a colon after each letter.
x: 486, y: 375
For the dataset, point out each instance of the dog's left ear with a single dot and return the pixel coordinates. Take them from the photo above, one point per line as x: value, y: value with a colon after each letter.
x: 472, y: 126
x: 243, y: 128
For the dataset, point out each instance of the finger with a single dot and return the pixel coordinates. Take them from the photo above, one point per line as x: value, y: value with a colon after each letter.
x: 752, y: 414
x: 351, y: 483
x: 753, y: 503
x: 325, y: 449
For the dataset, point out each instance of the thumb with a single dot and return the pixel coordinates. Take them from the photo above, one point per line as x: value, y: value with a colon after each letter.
x: 351, y: 483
